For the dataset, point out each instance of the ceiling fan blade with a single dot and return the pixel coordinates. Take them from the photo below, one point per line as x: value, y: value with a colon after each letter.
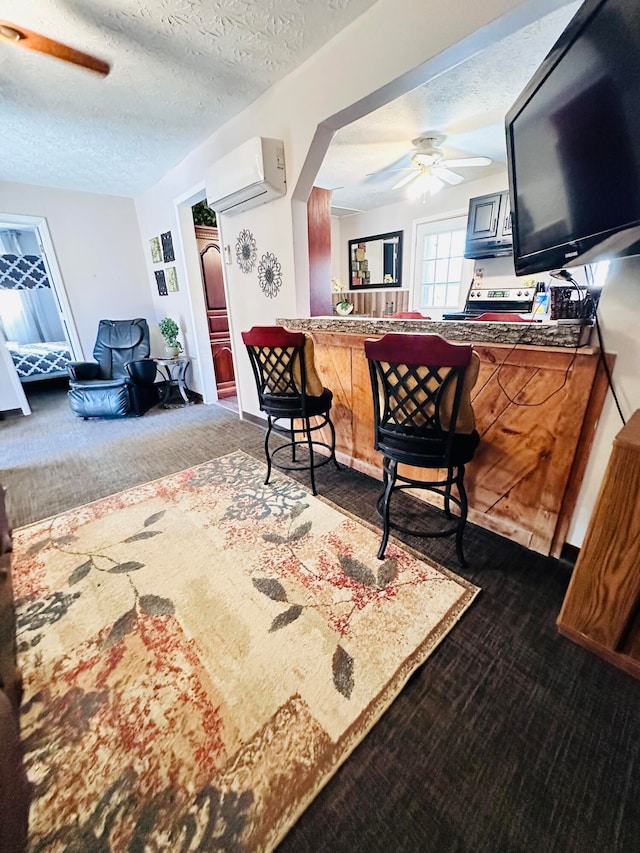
x: 389, y: 171
x: 406, y: 180
x: 34, y: 41
x: 447, y: 176
x: 467, y: 161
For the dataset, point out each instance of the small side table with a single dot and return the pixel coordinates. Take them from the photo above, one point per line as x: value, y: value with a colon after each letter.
x: 175, y: 392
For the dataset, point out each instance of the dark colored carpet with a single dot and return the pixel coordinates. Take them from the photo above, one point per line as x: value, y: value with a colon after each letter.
x: 510, y: 738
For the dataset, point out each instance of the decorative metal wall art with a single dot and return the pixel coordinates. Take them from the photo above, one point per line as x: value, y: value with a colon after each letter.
x: 270, y: 275
x: 246, y: 251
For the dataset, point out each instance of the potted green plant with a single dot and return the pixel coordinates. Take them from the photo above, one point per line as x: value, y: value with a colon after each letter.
x: 344, y: 306
x: 169, y: 330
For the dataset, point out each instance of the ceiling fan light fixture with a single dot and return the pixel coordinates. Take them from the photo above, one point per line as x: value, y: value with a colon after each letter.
x: 425, y: 184
x: 426, y: 158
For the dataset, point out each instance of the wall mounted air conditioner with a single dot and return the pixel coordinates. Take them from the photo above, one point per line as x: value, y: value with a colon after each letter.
x: 250, y: 175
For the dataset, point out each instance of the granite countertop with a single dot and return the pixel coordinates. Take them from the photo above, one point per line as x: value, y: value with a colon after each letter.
x: 529, y: 334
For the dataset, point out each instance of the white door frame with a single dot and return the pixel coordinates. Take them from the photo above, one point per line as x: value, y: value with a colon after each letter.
x: 40, y: 226
x: 191, y: 260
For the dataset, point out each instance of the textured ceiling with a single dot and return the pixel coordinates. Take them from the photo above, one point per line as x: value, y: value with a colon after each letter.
x: 180, y: 69
x: 468, y: 104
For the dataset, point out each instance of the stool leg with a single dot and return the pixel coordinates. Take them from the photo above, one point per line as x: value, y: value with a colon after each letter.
x: 333, y: 441
x: 463, y: 514
x: 266, y: 448
x: 389, y: 467
x: 307, y: 427
x: 292, y: 431
x: 447, y: 492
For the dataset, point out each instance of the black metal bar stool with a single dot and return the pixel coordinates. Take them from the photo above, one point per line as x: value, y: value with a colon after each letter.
x: 423, y: 417
x: 289, y: 388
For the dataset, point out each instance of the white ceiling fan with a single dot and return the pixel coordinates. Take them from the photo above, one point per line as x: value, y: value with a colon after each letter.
x: 431, y: 170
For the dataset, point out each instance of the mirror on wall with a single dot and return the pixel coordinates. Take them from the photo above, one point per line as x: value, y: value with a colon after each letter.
x: 376, y: 261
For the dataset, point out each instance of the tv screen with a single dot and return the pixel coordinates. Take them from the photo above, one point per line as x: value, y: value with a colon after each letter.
x: 573, y: 144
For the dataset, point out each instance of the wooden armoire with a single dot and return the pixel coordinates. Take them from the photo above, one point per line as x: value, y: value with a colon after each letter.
x: 218, y: 321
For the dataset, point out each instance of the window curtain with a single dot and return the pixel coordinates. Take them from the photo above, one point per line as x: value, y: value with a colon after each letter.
x: 28, y: 311
x: 10, y: 243
x: 30, y: 316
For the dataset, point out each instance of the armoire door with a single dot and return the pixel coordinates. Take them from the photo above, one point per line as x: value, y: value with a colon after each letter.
x: 217, y: 318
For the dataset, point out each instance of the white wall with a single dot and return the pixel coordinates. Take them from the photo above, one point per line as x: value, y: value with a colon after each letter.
x: 402, y: 216
x: 619, y: 317
x: 315, y: 95
x: 97, y: 246
x: 12, y: 394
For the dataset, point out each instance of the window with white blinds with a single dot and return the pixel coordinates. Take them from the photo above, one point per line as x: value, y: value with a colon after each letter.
x: 442, y: 274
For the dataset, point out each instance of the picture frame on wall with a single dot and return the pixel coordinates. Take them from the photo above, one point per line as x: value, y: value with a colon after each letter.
x: 161, y: 282
x: 156, y: 250
x: 376, y: 261
x: 171, y: 277
x: 167, y: 247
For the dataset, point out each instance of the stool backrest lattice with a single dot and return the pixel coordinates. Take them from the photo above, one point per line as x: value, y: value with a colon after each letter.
x: 417, y: 383
x: 412, y: 395
x: 277, y: 360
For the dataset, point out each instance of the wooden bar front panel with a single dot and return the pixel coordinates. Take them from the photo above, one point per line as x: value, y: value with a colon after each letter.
x: 531, y: 404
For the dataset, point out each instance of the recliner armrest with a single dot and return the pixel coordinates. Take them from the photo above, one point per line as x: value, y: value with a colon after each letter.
x: 81, y: 370
x: 142, y: 371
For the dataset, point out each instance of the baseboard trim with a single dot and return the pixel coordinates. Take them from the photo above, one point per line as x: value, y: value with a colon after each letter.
x: 253, y: 419
x: 569, y: 554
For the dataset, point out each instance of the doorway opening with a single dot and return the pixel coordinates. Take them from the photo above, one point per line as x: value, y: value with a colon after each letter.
x: 211, y: 271
x: 36, y: 323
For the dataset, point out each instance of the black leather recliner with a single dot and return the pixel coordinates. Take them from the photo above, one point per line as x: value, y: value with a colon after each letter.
x: 121, y: 383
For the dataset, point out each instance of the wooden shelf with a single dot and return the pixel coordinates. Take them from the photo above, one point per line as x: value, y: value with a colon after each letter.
x: 601, y: 610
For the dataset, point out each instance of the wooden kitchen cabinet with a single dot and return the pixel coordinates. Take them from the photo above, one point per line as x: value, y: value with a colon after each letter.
x: 217, y: 317
x: 601, y: 610
x: 489, y: 226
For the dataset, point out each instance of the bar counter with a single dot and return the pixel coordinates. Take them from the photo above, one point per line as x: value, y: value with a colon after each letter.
x: 537, y: 402
x: 529, y: 334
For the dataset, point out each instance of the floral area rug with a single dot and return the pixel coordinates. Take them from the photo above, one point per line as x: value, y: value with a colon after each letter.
x: 202, y: 652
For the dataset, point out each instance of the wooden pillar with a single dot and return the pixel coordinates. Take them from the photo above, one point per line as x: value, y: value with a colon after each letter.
x: 319, y: 230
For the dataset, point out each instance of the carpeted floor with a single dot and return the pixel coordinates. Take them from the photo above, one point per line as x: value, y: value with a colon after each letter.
x: 510, y: 738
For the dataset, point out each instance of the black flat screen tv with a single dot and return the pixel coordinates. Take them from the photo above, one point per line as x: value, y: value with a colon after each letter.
x: 573, y: 144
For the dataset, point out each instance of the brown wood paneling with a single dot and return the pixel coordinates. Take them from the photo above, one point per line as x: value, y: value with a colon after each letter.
x: 599, y: 391
x: 530, y: 404
x: 333, y: 364
x: 600, y: 609
x: 218, y: 323
x: 211, y: 260
x: 319, y: 231
x: 217, y: 318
